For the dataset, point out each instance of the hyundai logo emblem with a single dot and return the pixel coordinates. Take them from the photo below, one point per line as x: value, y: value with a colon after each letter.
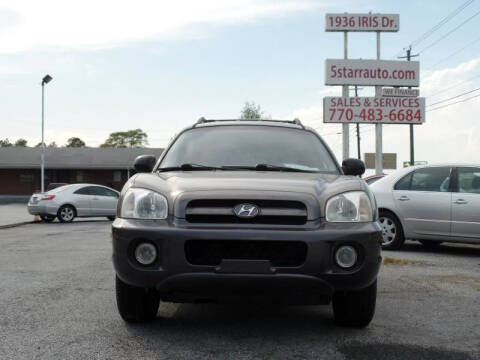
x: 246, y: 211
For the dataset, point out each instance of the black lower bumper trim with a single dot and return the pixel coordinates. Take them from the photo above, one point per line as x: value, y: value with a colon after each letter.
x: 281, y: 288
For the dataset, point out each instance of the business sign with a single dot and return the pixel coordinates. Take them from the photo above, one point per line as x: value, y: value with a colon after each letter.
x: 362, y: 22
x: 389, y: 160
x: 400, y: 92
x: 372, y: 72
x: 420, y: 162
x: 374, y: 110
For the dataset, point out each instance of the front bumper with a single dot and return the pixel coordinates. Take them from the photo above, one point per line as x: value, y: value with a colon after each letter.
x: 314, y: 281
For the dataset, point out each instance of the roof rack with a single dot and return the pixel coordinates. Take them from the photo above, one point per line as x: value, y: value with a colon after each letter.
x: 295, y: 121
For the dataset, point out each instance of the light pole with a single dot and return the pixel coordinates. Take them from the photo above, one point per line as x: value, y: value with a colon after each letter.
x: 46, y: 79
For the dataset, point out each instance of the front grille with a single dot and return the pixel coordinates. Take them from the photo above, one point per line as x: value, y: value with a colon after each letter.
x: 279, y: 253
x: 275, y: 212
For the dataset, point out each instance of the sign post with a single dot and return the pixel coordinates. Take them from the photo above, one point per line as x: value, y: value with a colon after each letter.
x: 345, y: 93
x: 378, y: 127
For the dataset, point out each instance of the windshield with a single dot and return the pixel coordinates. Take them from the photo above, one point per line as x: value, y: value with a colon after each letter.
x: 248, y: 146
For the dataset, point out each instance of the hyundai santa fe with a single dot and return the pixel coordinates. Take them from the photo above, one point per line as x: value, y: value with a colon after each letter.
x: 238, y: 210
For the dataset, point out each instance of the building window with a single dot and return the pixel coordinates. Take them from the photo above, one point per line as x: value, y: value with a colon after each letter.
x: 26, y: 177
x: 117, y: 176
x: 80, y: 176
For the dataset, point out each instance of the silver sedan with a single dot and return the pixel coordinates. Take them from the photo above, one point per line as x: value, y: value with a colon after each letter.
x: 76, y: 200
x: 431, y: 204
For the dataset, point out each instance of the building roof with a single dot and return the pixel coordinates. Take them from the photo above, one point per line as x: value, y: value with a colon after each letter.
x: 72, y: 158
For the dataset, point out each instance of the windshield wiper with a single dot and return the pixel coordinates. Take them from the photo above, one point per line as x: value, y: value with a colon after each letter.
x: 266, y: 167
x: 269, y: 167
x: 258, y: 167
x: 189, y: 167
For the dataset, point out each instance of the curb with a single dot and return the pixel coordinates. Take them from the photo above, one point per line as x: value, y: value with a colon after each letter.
x: 15, y: 225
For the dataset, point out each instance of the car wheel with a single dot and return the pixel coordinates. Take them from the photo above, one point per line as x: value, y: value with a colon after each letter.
x: 355, y: 308
x: 430, y: 243
x: 392, y: 231
x: 111, y: 218
x: 66, y: 213
x: 47, y: 218
x: 136, y: 304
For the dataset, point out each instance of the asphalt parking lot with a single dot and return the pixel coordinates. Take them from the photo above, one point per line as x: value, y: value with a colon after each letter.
x: 57, y: 301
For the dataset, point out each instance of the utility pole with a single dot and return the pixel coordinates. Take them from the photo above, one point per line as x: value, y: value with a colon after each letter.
x: 412, y: 146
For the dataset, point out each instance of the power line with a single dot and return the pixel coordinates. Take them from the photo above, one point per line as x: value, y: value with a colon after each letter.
x: 454, y: 53
x: 438, y: 25
x: 456, y: 102
x: 454, y: 86
x: 454, y: 97
x: 441, y: 23
x: 449, y: 33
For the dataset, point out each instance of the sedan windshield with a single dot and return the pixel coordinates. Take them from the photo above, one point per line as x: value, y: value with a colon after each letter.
x: 251, y: 147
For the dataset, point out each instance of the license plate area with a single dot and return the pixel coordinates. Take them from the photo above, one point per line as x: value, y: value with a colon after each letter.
x: 240, y: 266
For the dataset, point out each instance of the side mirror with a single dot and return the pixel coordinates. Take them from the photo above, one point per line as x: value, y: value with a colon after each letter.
x: 353, y: 167
x: 144, y: 163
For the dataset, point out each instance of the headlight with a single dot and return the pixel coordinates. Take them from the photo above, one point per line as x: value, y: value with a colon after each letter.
x: 353, y: 206
x: 143, y: 204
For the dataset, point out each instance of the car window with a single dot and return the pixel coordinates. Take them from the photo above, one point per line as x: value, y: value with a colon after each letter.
x: 431, y: 179
x: 83, y: 191
x: 468, y: 180
x: 101, y: 191
x: 404, y: 183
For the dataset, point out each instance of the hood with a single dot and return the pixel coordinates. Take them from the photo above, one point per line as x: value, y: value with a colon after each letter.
x: 313, y: 188
x: 180, y: 181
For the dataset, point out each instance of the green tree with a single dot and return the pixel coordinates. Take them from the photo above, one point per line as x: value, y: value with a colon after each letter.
x: 39, y: 145
x: 21, y: 142
x: 129, y: 138
x: 75, y: 142
x: 5, y: 143
x: 53, y: 144
x: 251, y: 111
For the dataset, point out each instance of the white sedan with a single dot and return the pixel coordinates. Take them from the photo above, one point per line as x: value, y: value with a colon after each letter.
x: 432, y: 204
x: 76, y: 200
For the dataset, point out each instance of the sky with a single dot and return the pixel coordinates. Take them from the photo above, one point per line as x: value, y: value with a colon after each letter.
x: 161, y: 65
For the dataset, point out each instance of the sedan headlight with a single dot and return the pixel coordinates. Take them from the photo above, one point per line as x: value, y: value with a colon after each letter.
x: 353, y: 206
x: 143, y: 204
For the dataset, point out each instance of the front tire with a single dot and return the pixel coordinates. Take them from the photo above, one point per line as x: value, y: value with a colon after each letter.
x: 136, y: 304
x: 355, y: 308
x: 392, y: 231
x: 66, y: 213
x: 47, y: 218
x: 111, y: 218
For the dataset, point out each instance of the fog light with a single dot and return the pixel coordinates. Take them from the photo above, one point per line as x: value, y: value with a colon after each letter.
x: 346, y: 256
x: 146, y: 253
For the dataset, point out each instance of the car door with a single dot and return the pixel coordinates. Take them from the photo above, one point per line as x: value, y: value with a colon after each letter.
x: 81, y: 199
x: 104, y: 201
x: 423, y: 198
x: 466, y: 203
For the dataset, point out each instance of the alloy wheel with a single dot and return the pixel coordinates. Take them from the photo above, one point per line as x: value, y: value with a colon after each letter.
x: 67, y: 214
x: 389, y: 230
